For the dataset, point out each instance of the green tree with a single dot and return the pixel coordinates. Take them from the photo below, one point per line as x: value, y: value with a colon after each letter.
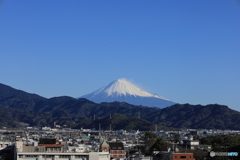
x: 223, y: 143
x: 176, y: 138
x: 196, y: 137
x: 159, y: 145
x: 149, y: 139
x: 205, y: 140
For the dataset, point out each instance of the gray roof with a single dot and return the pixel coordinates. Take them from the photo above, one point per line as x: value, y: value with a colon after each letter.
x: 117, y: 145
x: 104, y: 144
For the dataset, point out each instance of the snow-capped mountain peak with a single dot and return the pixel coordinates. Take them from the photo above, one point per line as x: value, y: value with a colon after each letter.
x: 123, y: 87
x: 123, y: 90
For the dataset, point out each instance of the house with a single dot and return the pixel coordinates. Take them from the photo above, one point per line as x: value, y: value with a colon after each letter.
x: 182, y: 156
x: 192, y: 144
x: 173, y: 156
x: 6, y: 150
x: 117, y: 150
x: 50, y: 145
x: 104, y: 147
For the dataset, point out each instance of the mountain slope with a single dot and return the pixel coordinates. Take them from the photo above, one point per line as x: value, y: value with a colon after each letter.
x: 76, y: 112
x: 212, y: 116
x: 10, y: 97
x: 7, y: 92
x: 123, y: 91
x: 18, y: 107
x: 119, y: 121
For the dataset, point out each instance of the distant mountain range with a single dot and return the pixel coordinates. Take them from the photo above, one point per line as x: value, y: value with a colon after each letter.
x: 19, y: 108
x: 123, y: 91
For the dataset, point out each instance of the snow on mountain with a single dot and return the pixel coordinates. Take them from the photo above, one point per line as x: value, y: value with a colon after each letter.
x: 123, y: 91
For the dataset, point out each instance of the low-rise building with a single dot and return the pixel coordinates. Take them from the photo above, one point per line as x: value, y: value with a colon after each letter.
x: 117, y: 150
x: 173, y: 156
x: 54, y: 152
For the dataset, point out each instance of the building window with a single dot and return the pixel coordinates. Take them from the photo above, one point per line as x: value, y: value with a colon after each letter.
x: 31, y: 156
x: 80, y: 156
x: 64, y: 156
x: 48, y: 156
x: 103, y: 156
x: 182, y: 157
x: 20, y: 156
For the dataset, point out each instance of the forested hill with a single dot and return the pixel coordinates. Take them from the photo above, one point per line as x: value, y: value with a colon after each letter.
x: 18, y: 108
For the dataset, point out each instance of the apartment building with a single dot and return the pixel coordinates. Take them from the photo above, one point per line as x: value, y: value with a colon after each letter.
x: 117, y: 150
x: 45, y: 151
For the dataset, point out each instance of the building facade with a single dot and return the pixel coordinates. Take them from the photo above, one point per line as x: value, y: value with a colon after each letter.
x: 182, y: 156
x: 117, y: 150
x: 54, y: 152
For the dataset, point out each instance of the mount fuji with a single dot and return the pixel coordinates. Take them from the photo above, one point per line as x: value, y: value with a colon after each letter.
x: 124, y: 91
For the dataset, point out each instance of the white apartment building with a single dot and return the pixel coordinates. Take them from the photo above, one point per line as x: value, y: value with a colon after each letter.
x: 54, y: 152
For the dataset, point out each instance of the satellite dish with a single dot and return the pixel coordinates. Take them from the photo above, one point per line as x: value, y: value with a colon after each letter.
x: 177, y: 150
x: 169, y: 149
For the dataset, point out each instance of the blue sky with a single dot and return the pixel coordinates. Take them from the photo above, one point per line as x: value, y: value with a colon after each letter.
x: 186, y: 51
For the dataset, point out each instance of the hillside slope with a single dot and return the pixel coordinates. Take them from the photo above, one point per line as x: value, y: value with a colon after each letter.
x: 19, y: 106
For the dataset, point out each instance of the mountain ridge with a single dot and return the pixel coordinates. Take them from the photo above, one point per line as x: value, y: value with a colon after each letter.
x: 7, y: 91
x: 17, y: 110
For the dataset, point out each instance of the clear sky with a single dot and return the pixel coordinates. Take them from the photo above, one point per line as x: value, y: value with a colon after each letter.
x: 187, y: 51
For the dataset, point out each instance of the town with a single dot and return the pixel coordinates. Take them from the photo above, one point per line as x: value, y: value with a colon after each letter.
x: 48, y: 143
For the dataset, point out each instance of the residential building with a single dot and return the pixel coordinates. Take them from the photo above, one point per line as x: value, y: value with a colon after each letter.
x: 54, y: 152
x: 173, y: 156
x: 117, y: 150
x: 104, y: 146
